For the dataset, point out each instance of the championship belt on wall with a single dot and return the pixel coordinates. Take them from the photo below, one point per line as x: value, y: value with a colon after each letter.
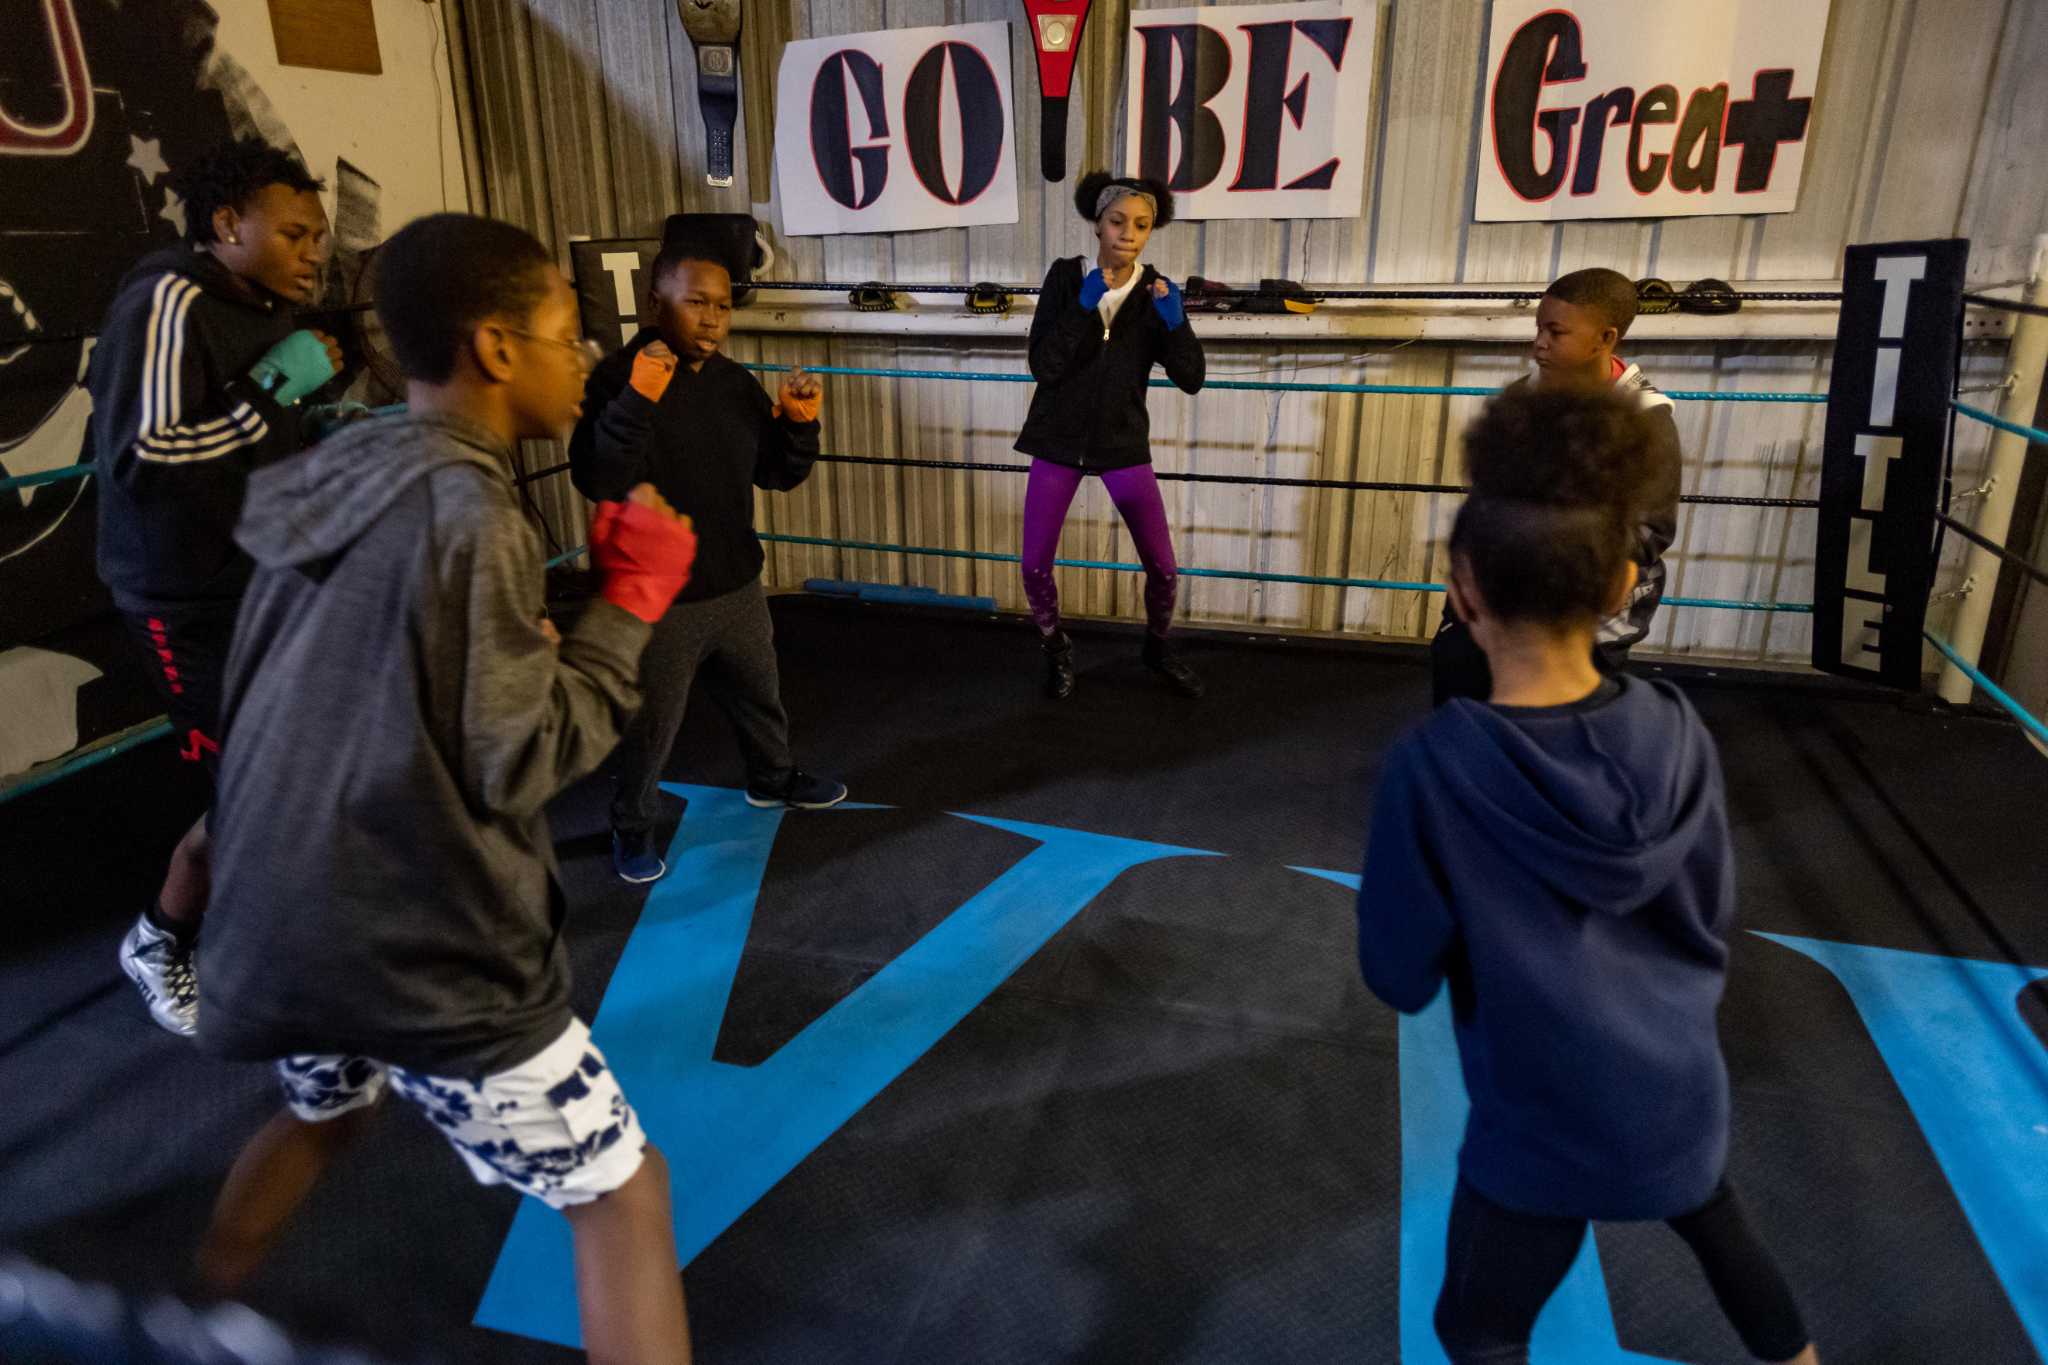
x: 1056, y: 33
x: 714, y: 29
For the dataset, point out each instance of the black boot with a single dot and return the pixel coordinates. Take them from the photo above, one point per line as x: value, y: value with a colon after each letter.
x: 1059, y: 666
x: 1160, y: 657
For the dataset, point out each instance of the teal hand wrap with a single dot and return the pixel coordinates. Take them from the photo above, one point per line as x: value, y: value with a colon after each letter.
x: 294, y: 367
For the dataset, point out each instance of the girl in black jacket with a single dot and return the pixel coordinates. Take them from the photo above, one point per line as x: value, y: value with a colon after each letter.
x: 1092, y: 356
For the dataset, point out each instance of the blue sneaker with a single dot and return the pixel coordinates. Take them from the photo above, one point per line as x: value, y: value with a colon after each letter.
x: 634, y: 858
x: 803, y: 791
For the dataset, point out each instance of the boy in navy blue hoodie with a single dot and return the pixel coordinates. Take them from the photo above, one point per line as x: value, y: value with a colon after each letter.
x: 1559, y: 855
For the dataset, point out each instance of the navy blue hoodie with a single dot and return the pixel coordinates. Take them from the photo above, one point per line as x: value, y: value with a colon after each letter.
x: 1567, y: 870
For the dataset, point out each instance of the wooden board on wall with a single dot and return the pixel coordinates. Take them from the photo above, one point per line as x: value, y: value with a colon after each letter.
x: 332, y: 35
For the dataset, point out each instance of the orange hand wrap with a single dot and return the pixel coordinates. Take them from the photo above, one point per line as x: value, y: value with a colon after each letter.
x: 651, y: 375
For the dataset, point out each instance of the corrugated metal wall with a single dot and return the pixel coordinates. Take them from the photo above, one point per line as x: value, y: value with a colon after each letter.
x: 1928, y: 122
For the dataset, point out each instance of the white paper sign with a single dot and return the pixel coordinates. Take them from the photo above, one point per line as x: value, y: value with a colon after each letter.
x: 883, y: 132
x: 1646, y: 108
x: 1253, y: 111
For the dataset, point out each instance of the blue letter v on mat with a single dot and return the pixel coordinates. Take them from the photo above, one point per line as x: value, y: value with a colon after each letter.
x: 735, y: 1131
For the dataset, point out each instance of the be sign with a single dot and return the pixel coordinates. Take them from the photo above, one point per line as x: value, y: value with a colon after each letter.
x: 1646, y: 108
x: 1255, y: 111
x: 883, y: 132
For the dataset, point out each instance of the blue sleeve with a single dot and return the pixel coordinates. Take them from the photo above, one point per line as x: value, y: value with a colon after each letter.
x: 1405, y: 929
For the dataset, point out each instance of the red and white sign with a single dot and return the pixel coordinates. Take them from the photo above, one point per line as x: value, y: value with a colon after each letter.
x: 1646, y: 108
x: 1253, y: 111
x: 884, y: 132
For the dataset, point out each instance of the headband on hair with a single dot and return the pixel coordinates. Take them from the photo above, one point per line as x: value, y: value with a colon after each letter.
x: 1113, y: 192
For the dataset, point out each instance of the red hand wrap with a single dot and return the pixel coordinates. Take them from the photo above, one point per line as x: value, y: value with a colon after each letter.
x: 643, y: 556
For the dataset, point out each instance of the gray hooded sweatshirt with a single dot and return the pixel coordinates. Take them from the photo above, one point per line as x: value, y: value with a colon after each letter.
x: 394, y: 725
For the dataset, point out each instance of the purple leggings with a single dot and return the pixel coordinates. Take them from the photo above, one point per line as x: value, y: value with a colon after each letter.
x: 1135, y: 492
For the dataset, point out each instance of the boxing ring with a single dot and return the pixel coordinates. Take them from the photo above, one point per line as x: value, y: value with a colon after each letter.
x: 1052, y: 1043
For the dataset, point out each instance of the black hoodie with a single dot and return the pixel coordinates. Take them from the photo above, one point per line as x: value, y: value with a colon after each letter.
x: 707, y: 445
x: 178, y: 426
x: 1088, y: 410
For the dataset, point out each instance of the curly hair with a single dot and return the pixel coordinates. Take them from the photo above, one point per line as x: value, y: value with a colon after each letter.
x: 1557, y: 480
x: 229, y: 176
x: 1091, y: 186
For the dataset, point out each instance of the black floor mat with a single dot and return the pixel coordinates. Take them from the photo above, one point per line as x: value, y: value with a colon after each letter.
x: 1174, y: 1134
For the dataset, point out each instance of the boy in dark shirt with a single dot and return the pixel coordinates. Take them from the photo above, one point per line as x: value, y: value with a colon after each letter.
x: 1560, y: 857
x: 671, y: 410
x: 196, y: 383
x: 385, y: 907
x: 1581, y: 318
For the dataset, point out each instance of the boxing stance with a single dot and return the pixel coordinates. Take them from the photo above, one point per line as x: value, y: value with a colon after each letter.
x: 1100, y: 328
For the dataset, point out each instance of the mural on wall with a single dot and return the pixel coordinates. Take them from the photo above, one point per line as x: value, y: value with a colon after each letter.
x: 99, y: 103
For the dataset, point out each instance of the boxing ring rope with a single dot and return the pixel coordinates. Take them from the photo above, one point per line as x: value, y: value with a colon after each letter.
x: 1273, y: 386
x: 1301, y: 292
x: 2016, y: 441
x: 2012, y: 557
x: 36, y: 779
x: 160, y: 727
x: 1253, y: 480
x: 1242, y: 575
x: 1992, y: 419
x: 80, y: 471
x: 2029, y: 722
x: 70, y: 471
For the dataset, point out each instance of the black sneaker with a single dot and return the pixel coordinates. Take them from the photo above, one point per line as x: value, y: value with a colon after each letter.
x: 1059, y: 666
x: 162, y: 969
x: 1160, y: 657
x: 803, y: 791
x: 634, y: 858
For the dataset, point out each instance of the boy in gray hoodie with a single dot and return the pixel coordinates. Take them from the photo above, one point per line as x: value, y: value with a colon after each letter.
x: 385, y: 907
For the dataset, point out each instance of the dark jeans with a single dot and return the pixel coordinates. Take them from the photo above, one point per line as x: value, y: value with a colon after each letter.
x: 1457, y: 665
x: 729, y: 642
x: 1501, y: 1267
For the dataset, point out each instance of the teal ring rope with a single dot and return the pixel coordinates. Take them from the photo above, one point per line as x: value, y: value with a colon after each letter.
x: 2031, y: 723
x: 77, y: 763
x: 1992, y: 419
x: 1272, y: 386
x: 70, y: 471
x: 1261, y: 386
x: 1246, y: 575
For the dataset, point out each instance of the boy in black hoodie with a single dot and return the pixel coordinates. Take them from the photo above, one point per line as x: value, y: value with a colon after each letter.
x: 196, y: 382
x: 1559, y: 856
x: 398, y: 713
x: 672, y: 410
